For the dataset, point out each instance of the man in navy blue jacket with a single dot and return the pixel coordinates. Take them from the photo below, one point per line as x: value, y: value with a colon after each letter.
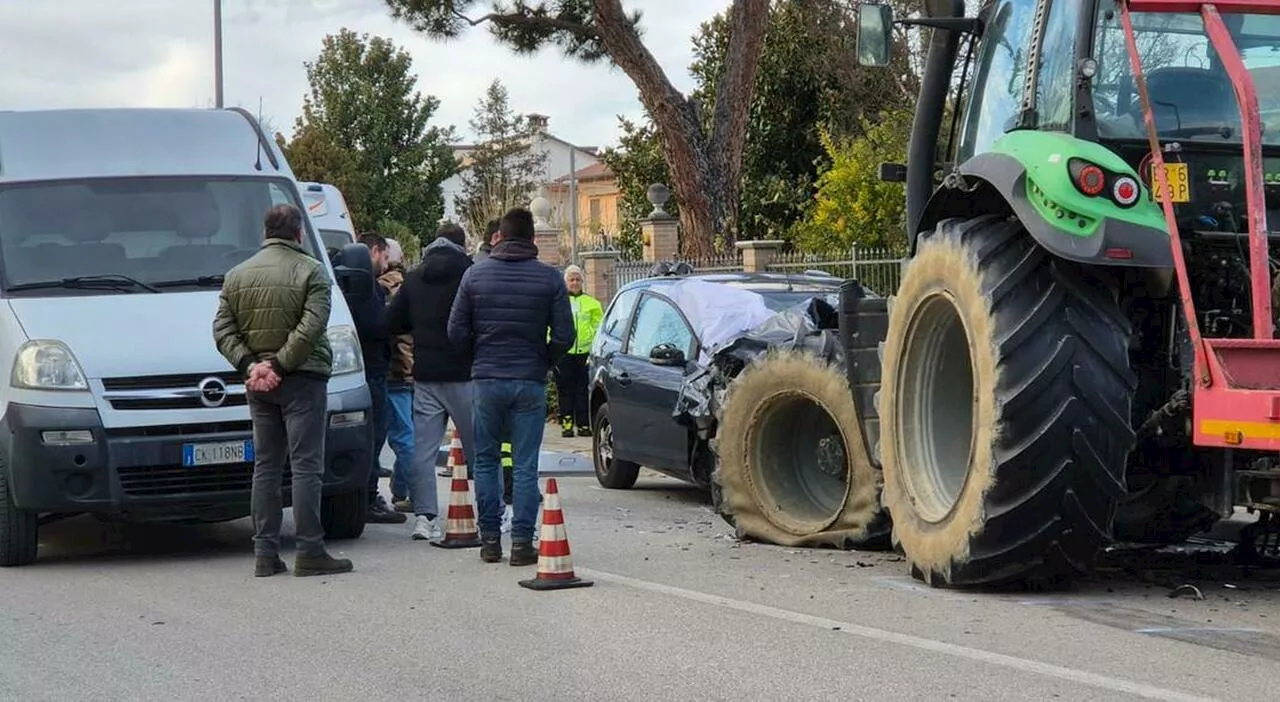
x: 503, y: 309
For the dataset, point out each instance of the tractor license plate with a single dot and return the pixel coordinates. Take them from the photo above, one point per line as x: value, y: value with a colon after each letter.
x: 1179, y: 179
x: 217, y: 453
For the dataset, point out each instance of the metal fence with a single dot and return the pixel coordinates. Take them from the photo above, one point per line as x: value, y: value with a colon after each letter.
x: 878, y: 269
x: 628, y: 271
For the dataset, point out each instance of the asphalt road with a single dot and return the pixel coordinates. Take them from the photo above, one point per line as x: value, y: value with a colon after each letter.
x: 679, y: 611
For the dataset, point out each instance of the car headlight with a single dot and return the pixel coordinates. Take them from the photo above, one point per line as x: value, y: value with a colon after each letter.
x: 43, y: 364
x: 346, y: 350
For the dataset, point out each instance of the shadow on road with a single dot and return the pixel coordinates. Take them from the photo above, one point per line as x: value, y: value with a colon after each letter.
x: 86, y: 539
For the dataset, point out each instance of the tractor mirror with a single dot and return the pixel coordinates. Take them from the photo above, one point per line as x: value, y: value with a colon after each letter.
x: 875, y: 32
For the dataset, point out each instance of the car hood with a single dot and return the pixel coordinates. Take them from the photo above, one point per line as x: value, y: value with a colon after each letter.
x: 130, y: 334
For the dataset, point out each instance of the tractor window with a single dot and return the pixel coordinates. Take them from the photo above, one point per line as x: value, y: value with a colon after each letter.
x: 1191, y: 94
x: 997, y: 85
x: 1057, y: 66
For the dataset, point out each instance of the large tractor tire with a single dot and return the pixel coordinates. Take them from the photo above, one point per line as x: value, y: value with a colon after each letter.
x: 791, y: 465
x: 1004, y: 408
x: 1164, y: 510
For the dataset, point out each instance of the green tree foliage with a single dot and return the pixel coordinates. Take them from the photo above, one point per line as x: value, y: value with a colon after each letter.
x: 853, y: 206
x: 505, y: 170
x: 365, y: 128
x: 637, y: 163
x: 808, y: 81
x: 704, y: 156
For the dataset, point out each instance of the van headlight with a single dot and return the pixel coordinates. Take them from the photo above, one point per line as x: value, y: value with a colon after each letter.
x: 346, y: 350
x: 43, y: 364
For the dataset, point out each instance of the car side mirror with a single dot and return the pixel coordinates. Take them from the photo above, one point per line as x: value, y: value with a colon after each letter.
x: 666, y: 355
x: 353, y: 267
x: 875, y: 34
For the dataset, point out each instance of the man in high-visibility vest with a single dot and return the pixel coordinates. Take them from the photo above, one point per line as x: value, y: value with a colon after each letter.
x: 571, y: 371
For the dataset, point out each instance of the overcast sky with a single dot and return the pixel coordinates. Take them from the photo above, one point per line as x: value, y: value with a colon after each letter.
x: 159, y: 53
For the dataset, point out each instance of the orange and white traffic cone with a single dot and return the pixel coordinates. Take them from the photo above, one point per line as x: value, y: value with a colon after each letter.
x: 456, y: 456
x: 460, y: 521
x: 555, y: 564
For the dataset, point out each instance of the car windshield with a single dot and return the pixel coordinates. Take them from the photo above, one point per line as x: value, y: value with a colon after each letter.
x: 1192, y: 97
x: 132, y: 234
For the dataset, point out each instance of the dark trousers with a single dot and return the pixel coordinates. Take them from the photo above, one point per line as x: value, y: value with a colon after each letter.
x: 518, y: 409
x: 378, y: 399
x: 571, y: 391
x: 288, y: 427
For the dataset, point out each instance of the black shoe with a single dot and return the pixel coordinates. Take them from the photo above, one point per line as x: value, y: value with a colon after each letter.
x: 491, y: 549
x: 323, y: 564
x: 584, y: 431
x: 381, y: 513
x: 267, y: 566
x: 567, y: 433
x: 523, y: 553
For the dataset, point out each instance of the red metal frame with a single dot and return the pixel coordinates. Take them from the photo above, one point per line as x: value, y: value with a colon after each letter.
x: 1237, y: 381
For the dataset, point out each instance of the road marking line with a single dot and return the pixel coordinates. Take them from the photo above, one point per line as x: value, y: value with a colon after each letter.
x: 1024, y: 664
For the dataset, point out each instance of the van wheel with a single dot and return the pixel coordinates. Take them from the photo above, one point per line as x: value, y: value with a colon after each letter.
x: 19, y: 528
x: 343, y: 516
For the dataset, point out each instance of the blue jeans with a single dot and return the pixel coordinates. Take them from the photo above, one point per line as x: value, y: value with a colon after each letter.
x: 400, y: 435
x: 515, y: 409
x: 378, y: 408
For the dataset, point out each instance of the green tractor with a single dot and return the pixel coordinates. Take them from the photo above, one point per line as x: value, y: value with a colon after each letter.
x: 1081, y: 348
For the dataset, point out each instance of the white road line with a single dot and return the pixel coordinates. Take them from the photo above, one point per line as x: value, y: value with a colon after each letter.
x: 1024, y: 664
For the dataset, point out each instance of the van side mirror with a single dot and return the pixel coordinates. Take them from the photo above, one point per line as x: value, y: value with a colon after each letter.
x: 353, y: 267
x: 666, y: 355
x: 875, y: 34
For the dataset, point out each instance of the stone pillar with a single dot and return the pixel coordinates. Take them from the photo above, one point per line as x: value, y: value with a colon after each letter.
x: 757, y: 255
x: 545, y: 236
x: 600, y: 274
x: 659, y: 232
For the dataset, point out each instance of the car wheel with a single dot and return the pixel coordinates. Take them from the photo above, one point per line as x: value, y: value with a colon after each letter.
x: 610, y: 472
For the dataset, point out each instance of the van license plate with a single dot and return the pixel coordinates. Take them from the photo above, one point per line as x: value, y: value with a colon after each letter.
x: 217, y: 453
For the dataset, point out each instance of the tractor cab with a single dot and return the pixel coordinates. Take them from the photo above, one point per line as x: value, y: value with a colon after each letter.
x: 1193, y: 104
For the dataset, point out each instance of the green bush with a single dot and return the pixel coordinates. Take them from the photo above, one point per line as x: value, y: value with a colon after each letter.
x: 553, y: 403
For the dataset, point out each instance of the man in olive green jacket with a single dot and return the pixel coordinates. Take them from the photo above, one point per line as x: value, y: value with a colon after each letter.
x: 272, y: 316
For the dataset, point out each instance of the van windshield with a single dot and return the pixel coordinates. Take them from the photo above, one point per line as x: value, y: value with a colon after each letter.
x: 132, y: 234
x: 335, y: 239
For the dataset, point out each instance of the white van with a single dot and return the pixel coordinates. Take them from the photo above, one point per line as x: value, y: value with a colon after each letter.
x: 329, y: 215
x: 116, y: 227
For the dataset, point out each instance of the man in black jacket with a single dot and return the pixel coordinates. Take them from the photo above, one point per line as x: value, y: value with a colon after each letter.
x: 371, y: 327
x: 502, y: 312
x: 441, y: 370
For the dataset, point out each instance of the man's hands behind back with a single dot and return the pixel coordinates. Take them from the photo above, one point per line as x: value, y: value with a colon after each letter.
x: 262, y: 378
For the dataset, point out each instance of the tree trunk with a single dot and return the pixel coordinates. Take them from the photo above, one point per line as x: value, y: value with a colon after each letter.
x: 705, y: 169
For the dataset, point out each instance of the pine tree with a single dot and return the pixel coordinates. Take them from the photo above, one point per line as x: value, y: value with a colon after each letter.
x: 505, y: 169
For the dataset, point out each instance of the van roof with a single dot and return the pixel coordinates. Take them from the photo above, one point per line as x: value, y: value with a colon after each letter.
x: 107, y: 142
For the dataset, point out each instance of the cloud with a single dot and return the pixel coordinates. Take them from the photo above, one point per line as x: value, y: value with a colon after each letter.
x: 80, y: 53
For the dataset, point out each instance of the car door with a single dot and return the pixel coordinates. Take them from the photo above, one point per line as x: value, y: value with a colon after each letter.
x: 605, y: 349
x: 646, y: 397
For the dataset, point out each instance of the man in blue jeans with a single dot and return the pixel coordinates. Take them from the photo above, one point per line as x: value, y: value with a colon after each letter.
x: 504, y: 307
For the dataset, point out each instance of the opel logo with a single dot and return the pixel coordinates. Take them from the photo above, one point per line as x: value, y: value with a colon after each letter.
x: 213, y: 392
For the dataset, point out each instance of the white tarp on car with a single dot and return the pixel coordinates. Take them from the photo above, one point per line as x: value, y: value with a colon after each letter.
x: 718, y: 313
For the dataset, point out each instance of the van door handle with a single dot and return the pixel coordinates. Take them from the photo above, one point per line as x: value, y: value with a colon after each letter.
x: 624, y: 378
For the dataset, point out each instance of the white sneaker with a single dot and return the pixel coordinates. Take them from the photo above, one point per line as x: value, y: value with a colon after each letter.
x: 425, y: 529
x: 507, y: 515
